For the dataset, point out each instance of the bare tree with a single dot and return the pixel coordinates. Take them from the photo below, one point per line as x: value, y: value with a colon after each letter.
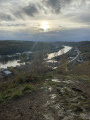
x: 38, y: 64
x: 62, y: 67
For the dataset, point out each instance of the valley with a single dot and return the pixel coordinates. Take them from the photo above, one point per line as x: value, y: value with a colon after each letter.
x: 53, y: 84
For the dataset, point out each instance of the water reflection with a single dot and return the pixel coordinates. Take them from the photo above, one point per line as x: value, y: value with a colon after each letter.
x: 13, y: 63
x: 60, y: 52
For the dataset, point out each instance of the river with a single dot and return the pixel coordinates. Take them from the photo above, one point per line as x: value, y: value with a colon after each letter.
x: 60, y: 52
x: 13, y: 63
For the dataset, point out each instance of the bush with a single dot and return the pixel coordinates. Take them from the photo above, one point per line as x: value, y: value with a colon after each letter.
x: 82, y: 69
x: 27, y: 88
x: 17, y: 95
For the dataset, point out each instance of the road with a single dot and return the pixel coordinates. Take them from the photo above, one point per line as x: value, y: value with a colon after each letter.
x: 75, y: 58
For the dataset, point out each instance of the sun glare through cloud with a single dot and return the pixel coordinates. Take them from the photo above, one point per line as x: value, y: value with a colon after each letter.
x: 45, y: 26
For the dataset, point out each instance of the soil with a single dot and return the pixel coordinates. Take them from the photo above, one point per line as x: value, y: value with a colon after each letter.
x: 56, y: 100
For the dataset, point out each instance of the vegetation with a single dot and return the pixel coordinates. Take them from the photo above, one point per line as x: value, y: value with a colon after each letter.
x: 62, y: 67
x: 21, y: 84
x: 82, y: 69
x: 12, y: 47
x: 84, y: 47
x: 27, y: 78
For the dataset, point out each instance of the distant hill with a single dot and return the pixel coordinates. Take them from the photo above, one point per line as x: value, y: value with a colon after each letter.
x: 84, y: 47
x: 12, y: 47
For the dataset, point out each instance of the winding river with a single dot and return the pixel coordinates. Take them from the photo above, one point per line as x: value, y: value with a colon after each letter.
x: 15, y: 63
x: 60, y: 52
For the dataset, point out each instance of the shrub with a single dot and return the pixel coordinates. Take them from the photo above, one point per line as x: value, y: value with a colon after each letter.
x: 17, y: 95
x: 27, y: 88
x: 82, y: 69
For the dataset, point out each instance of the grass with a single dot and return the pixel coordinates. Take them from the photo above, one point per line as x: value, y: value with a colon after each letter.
x: 24, y: 83
x: 27, y: 88
x: 17, y: 92
x: 20, y: 85
x: 52, y: 83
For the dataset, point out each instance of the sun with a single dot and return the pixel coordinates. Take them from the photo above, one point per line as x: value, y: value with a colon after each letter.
x: 45, y: 26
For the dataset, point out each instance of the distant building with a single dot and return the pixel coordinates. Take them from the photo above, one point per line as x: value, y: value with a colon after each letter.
x: 80, y: 60
x: 7, y: 72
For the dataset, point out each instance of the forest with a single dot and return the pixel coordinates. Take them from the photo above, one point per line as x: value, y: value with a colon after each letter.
x: 12, y: 47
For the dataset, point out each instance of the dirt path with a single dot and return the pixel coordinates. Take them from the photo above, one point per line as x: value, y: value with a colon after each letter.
x: 55, y: 100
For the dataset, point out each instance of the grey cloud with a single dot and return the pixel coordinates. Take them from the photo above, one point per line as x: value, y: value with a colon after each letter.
x: 18, y: 14
x: 6, y: 17
x: 49, y: 6
x: 54, y: 5
x: 79, y: 17
x: 4, y: 1
x: 65, y: 35
x: 84, y: 17
x: 44, y: 8
x: 30, y: 10
x: 12, y: 24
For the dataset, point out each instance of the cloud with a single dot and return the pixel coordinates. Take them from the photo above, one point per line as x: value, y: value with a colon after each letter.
x: 84, y: 18
x: 12, y: 24
x: 31, y: 10
x: 38, y: 8
x: 2, y: 1
x: 20, y: 14
x: 65, y: 35
x: 44, y: 7
x: 54, y: 5
x: 6, y: 17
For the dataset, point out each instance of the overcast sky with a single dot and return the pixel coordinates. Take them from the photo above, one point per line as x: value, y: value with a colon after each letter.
x: 69, y: 20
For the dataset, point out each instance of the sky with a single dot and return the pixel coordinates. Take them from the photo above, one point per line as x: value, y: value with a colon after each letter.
x: 45, y: 20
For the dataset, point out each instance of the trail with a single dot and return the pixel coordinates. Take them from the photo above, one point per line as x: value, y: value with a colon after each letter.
x: 57, y: 99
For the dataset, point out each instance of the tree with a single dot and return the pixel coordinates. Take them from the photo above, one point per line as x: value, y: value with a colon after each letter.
x: 38, y: 64
x: 62, y: 67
